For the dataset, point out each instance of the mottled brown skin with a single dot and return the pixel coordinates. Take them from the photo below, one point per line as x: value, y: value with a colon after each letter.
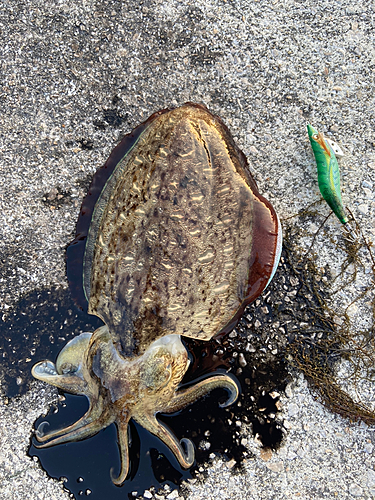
x: 179, y: 242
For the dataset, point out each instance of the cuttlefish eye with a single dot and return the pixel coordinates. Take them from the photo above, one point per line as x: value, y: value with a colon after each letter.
x: 157, y: 373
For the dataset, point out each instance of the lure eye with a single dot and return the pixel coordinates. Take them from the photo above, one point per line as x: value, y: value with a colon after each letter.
x: 315, y: 137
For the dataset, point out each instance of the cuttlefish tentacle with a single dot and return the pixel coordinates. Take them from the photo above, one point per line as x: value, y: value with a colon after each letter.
x: 150, y: 423
x: 83, y: 432
x: 123, y: 444
x: 93, y: 414
x: 184, y: 397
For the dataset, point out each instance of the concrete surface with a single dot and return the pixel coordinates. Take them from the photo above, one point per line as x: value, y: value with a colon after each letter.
x: 76, y: 76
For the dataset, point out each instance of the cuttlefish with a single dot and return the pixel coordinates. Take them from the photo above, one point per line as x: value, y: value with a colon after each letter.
x: 173, y: 239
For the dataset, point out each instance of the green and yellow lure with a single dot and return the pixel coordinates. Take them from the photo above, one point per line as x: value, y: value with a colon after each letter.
x: 328, y: 173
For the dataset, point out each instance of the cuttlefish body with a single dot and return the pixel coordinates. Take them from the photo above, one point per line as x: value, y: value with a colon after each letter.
x: 173, y: 239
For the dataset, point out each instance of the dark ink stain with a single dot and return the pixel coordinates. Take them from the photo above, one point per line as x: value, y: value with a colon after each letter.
x: 37, y: 328
x: 205, y: 56
x: 254, y: 352
x: 112, y: 117
x: 56, y: 198
x: 116, y: 100
x: 99, y: 124
x: 86, y: 465
x: 86, y: 144
x: 84, y: 183
x: 211, y: 428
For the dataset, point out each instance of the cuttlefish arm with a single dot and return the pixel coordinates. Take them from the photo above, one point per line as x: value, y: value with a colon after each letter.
x: 70, y: 374
x: 182, y: 398
x: 150, y: 423
x: 123, y: 444
x: 119, y: 389
x: 185, y: 397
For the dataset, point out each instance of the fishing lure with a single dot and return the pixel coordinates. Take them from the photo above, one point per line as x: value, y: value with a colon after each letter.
x: 328, y: 173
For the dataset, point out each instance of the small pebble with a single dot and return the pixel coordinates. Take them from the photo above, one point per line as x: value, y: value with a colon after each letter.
x: 275, y: 466
x: 355, y: 490
x: 231, y: 463
x: 363, y: 208
x: 367, y: 184
x: 241, y: 360
x: 288, y: 391
x: 368, y: 448
x: 293, y: 410
x: 172, y: 495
